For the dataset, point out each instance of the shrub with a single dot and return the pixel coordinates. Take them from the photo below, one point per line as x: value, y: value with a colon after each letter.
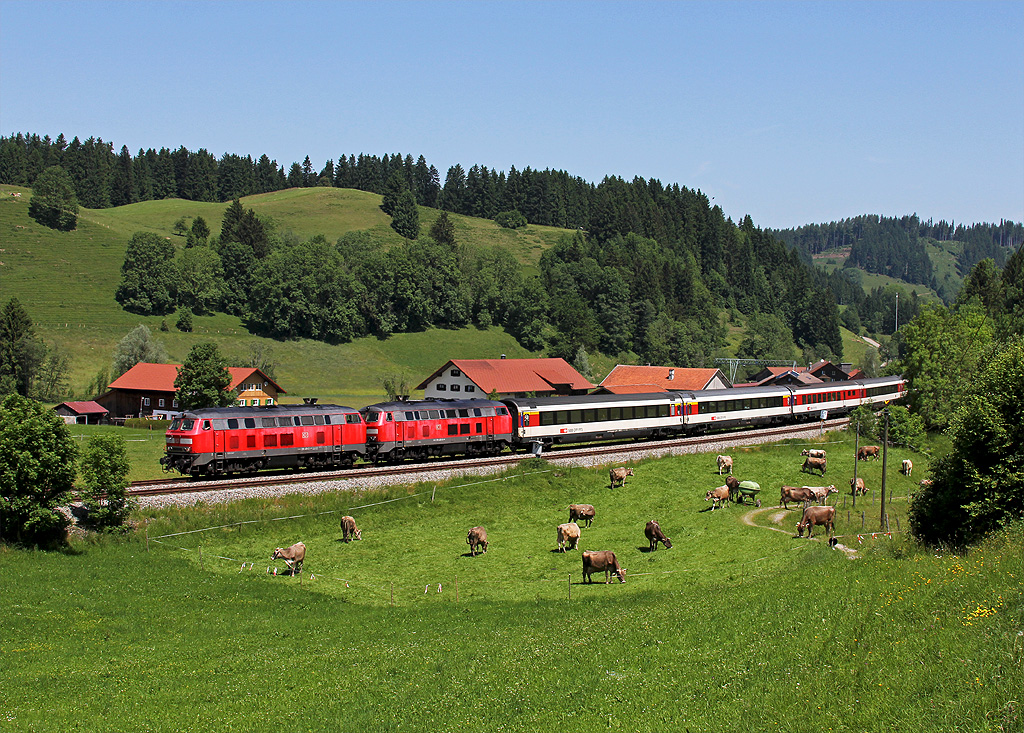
x: 510, y: 220
x: 104, y: 467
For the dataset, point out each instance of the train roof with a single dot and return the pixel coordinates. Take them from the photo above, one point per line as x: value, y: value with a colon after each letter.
x: 591, y: 400
x: 236, y: 411
x: 442, y: 404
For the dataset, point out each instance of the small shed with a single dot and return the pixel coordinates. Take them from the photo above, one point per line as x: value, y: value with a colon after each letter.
x: 85, y: 413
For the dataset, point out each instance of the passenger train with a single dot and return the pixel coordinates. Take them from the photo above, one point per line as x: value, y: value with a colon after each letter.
x: 225, y: 440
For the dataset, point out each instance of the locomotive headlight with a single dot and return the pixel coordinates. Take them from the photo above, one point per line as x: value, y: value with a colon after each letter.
x: 185, y: 441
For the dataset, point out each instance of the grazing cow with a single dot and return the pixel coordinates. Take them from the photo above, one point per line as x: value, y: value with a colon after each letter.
x: 814, y: 464
x: 821, y: 492
x: 581, y: 512
x: 568, y: 534
x: 795, y: 493
x: 477, y: 537
x: 908, y: 467
x: 618, y: 476
x: 814, y: 515
x: 717, y: 496
x: 293, y: 556
x: 813, y: 452
x: 732, y: 482
x: 724, y: 464
x: 868, y: 451
x: 602, y: 560
x: 857, y: 487
x: 349, y: 530
x: 655, y: 535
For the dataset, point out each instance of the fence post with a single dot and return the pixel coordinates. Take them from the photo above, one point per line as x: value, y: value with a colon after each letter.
x: 147, y: 539
x: 570, y: 586
x: 862, y: 521
x: 456, y: 588
x: 201, y: 559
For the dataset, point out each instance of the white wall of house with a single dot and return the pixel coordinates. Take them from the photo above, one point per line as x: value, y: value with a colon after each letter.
x: 452, y: 384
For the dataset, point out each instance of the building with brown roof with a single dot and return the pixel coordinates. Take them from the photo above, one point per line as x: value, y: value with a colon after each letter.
x: 822, y: 371
x: 148, y: 389
x: 477, y: 378
x: 627, y: 379
x: 87, y: 412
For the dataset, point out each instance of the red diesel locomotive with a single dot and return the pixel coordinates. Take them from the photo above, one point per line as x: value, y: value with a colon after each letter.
x: 429, y: 428
x: 221, y: 440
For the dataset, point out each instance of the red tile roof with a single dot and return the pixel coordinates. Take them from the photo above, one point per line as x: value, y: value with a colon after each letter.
x: 516, y: 375
x: 160, y: 377
x: 656, y: 378
x: 84, y: 408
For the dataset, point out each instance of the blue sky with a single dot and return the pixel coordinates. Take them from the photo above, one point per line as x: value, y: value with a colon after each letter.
x: 790, y: 112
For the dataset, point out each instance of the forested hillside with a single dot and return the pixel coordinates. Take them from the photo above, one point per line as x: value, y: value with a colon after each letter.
x: 897, y: 247
x: 645, y: 275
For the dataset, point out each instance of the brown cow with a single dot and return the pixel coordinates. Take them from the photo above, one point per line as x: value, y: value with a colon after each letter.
x: 349, y: 530
x: 602, y: 560
x: 857, y: 487
x: 821, y: 492
x: 654, y: 535
x: 717, y: 496
x: 568, y: 534
x: 795, y: 493
x: 908, y: 467
x: 724, y: 464
x: 581, y: 512
x: 618, y: 475
x: 814, y: 515
x: 293, y: 556
x: 477, y: 537
x: 814, y: 464
x: 868, y: 451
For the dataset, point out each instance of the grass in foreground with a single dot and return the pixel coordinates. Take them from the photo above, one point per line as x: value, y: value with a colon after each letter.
x: 737, y: 627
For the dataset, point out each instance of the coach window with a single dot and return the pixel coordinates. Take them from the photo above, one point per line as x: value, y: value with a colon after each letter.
x: 602, y: 414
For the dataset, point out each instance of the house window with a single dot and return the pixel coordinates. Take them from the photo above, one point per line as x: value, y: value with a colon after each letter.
x: 455, y: 388
x: 255, y: 403
x: 470, y: 388
x: 442, y: 387
x: 270, y: 400
x: 145, y: 401
x: 174, y: 403
x: 241, y: 403
x: 455, y: 373
x: 160, y: 402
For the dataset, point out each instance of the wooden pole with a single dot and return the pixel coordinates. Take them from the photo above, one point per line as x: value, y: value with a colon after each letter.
x: 570, y: 586
x: 884, y: 519
x: 456, y: 588
x: 147, y: 539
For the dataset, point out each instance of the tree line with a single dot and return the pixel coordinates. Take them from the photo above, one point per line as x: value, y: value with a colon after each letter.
x: 896, y: 246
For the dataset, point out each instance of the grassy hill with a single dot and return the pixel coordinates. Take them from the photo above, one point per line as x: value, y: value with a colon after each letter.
x: 67, y: 282
x: 738, y: 627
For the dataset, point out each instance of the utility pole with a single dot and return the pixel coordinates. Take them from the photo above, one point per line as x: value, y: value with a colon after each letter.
x: 897, y: 327
x: 884, y: 519
x: 856, y: 450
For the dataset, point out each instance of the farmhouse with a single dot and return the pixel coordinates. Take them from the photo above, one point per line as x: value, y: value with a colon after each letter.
x: 477, y: 378
x: 822, y: 371
x: 625, y: 379
x: 148, y: 390
x: 88, y: 413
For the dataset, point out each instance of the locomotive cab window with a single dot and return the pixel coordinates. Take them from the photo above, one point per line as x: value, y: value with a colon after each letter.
x: 206, y: 424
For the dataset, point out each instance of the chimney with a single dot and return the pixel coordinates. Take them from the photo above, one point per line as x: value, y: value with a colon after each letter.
x: 671, y: 374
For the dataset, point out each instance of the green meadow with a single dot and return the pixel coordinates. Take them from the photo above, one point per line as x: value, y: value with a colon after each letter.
x: 739, y: 626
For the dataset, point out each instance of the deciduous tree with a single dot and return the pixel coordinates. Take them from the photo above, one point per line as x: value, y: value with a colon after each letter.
x: 147, y: 275
x: 54, y: 203
x: 203, y: 379
x: 137, y: 346
x: 37, y: 472
x: 104, y: 467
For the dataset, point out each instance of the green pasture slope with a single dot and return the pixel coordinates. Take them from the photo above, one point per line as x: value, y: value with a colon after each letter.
x: 738, y: 627
x: 67, y: 281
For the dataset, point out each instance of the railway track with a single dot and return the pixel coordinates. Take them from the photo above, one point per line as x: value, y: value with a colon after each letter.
x: 598, y: 453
